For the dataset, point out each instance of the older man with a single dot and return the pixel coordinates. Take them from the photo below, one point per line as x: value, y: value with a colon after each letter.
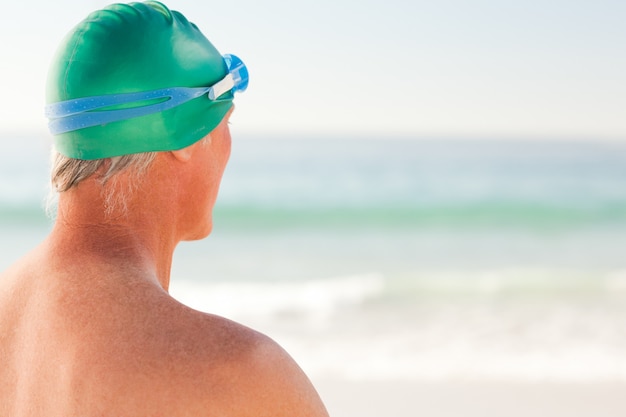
x: 139, y: 102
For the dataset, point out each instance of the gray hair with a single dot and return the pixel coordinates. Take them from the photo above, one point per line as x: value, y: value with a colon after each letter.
x: 67, y: 173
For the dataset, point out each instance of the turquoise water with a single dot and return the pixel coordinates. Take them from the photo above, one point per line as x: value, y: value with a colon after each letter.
x: 425, y: 259
x: 422, y: 183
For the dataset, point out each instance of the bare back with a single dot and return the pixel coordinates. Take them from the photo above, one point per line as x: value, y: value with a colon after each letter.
x: 75, y: 340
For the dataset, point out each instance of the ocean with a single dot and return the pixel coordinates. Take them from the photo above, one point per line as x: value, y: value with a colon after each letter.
x: 378, y: 259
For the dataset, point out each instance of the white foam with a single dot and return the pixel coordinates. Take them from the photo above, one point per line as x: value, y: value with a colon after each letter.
x: 332, y: 329
x: 314, y: 299
x: 471, y: 343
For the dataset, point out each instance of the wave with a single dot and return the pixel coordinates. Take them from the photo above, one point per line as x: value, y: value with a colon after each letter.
x: 325, y: 297
x: 357, y: 328
x: 315, y: 299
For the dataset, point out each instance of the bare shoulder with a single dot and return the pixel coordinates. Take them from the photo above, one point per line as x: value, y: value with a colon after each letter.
x: 280, y: 384
x: 257, y: 377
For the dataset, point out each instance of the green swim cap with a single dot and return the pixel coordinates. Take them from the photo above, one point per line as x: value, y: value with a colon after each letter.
x: 131, y: 48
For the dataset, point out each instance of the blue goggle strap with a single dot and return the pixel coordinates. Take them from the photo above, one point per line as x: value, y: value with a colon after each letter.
x: 77, y: 114
x: 70, y: 115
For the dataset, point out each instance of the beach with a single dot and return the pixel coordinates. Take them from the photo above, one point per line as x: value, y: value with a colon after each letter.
x: 409, y: 276
x: 482, y: 399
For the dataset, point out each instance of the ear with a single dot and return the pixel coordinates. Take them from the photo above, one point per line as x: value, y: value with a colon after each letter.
x: 183, y: 155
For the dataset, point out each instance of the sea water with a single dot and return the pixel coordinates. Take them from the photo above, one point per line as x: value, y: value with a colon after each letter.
x: 402, y: 259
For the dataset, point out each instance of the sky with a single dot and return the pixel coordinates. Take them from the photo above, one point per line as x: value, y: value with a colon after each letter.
x: 378, y: 68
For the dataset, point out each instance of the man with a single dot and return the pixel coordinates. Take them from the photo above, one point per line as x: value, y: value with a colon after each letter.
x: 139, y: 102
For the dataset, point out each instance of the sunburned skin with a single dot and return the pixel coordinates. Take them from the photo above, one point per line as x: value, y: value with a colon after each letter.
x: 87, y: 327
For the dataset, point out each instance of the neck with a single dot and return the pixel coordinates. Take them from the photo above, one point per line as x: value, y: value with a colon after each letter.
x: 140, y: 238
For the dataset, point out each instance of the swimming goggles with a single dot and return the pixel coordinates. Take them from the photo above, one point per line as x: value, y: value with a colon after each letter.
x: 70, y: 115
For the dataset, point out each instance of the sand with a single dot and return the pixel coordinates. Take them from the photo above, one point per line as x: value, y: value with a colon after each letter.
x: 465, y: 399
